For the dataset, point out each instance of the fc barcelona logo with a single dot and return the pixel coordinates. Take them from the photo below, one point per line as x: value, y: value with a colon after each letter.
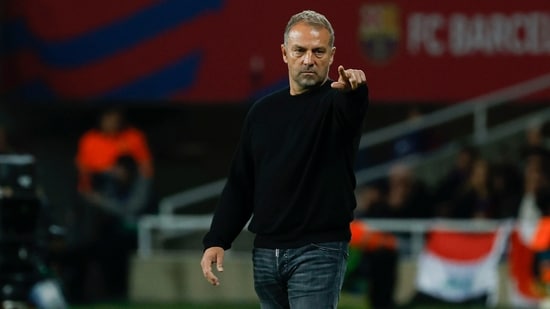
x: 379, y: 31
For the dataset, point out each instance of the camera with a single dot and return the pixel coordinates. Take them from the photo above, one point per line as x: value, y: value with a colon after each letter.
x: 21, y: 266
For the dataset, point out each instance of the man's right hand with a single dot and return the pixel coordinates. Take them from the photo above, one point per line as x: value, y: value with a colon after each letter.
x: 212, y: 255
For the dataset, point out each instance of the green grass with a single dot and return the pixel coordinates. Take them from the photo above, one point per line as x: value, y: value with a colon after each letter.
x: 347, y: 301
x: 239, y: 306
x: 167, y: 306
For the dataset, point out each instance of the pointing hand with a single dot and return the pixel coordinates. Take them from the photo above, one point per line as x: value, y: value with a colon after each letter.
x: 349, y: 79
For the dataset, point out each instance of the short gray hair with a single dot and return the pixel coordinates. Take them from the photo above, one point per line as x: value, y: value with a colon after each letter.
x: 311, y: 18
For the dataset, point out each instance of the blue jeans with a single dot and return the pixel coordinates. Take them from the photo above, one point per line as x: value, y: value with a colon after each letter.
x: 302, y: 278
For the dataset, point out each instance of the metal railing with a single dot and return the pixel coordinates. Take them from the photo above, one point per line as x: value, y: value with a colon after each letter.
x: 417, y: 228
x: 497, y: 133
x: 477, y: 106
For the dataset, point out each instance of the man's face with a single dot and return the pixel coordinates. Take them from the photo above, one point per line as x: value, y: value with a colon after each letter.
x: 110, y: 123
x: 308, y: 56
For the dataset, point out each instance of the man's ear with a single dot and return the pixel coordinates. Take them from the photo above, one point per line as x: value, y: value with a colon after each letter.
x: 283, y: 52
x: 332, y: 52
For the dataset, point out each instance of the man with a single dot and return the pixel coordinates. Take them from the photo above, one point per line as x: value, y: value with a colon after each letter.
x: 100, y: 148
x: 293, y: 173
x: 115, y: 170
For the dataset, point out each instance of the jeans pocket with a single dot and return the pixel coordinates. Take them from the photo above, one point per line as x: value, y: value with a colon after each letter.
x: 333, y: 247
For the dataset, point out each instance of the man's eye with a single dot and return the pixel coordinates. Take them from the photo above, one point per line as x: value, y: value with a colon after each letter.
x: 319, y: 53
x: 297, y: 53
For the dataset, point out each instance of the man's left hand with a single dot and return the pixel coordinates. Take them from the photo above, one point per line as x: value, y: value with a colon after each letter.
x: 349, y: 79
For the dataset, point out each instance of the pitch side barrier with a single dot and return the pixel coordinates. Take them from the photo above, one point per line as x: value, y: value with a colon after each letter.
x: 482, y: 134
x: 416, y: 228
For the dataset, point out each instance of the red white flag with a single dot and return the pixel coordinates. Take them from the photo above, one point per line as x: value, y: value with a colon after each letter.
x: 457, y: 266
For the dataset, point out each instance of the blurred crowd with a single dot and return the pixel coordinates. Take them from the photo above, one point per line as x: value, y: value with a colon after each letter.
x: 474, y: 187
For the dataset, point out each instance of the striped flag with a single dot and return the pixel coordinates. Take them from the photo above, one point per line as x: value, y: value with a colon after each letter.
x: 458, y: 266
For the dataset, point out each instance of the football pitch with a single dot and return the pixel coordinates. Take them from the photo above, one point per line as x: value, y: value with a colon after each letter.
x: 343, y: 305
x: 347, y: 301
x: 245, y: 306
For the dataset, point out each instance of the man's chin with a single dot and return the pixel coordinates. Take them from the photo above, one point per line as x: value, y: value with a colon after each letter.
x: 310, y: 83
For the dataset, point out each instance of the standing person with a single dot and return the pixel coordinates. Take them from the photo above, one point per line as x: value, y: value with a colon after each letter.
x: 115, y: 173
x: 293, y: 173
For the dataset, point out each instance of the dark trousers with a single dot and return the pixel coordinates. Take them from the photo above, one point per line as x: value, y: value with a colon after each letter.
x: 379, y: 268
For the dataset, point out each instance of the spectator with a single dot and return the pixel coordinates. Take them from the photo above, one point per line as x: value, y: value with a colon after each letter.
x: 416, y: 140
x: 506, y: 185
x: 370, y: 198
x: 453, y: 180
x: 475, y: 197
x: 101, y: 147
x: 407, y: 196
x: 535, y: 142
x: 535, y: 201
x: 115, y: 180
x: 115, y: 167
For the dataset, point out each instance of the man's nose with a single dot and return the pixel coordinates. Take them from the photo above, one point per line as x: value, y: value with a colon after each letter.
x: 308, y: 58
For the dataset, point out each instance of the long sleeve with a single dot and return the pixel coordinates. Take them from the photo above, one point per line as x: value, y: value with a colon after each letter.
x: 236, y: 202
x: 351, y: 107
x: 293, y: 170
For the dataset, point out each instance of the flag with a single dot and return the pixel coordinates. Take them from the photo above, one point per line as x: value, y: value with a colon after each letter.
x: 523, y: 290
x: 457, y: 266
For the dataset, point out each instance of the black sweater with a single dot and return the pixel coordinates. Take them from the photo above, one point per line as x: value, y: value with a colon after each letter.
x: 293, y: 170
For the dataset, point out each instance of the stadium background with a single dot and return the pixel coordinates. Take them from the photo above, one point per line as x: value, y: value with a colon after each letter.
x: 187, y: 71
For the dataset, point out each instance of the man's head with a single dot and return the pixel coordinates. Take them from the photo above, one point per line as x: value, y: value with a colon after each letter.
x: 308, y: 50
x: 111, y: 121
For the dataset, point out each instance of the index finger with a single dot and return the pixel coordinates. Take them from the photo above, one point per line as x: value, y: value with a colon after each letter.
x: 342, y: 72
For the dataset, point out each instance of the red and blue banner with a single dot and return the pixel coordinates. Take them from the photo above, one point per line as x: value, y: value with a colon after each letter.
x: 229, y: 50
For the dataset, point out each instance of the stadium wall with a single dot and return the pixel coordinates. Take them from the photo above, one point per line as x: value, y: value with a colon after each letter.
x: 228, y: 51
